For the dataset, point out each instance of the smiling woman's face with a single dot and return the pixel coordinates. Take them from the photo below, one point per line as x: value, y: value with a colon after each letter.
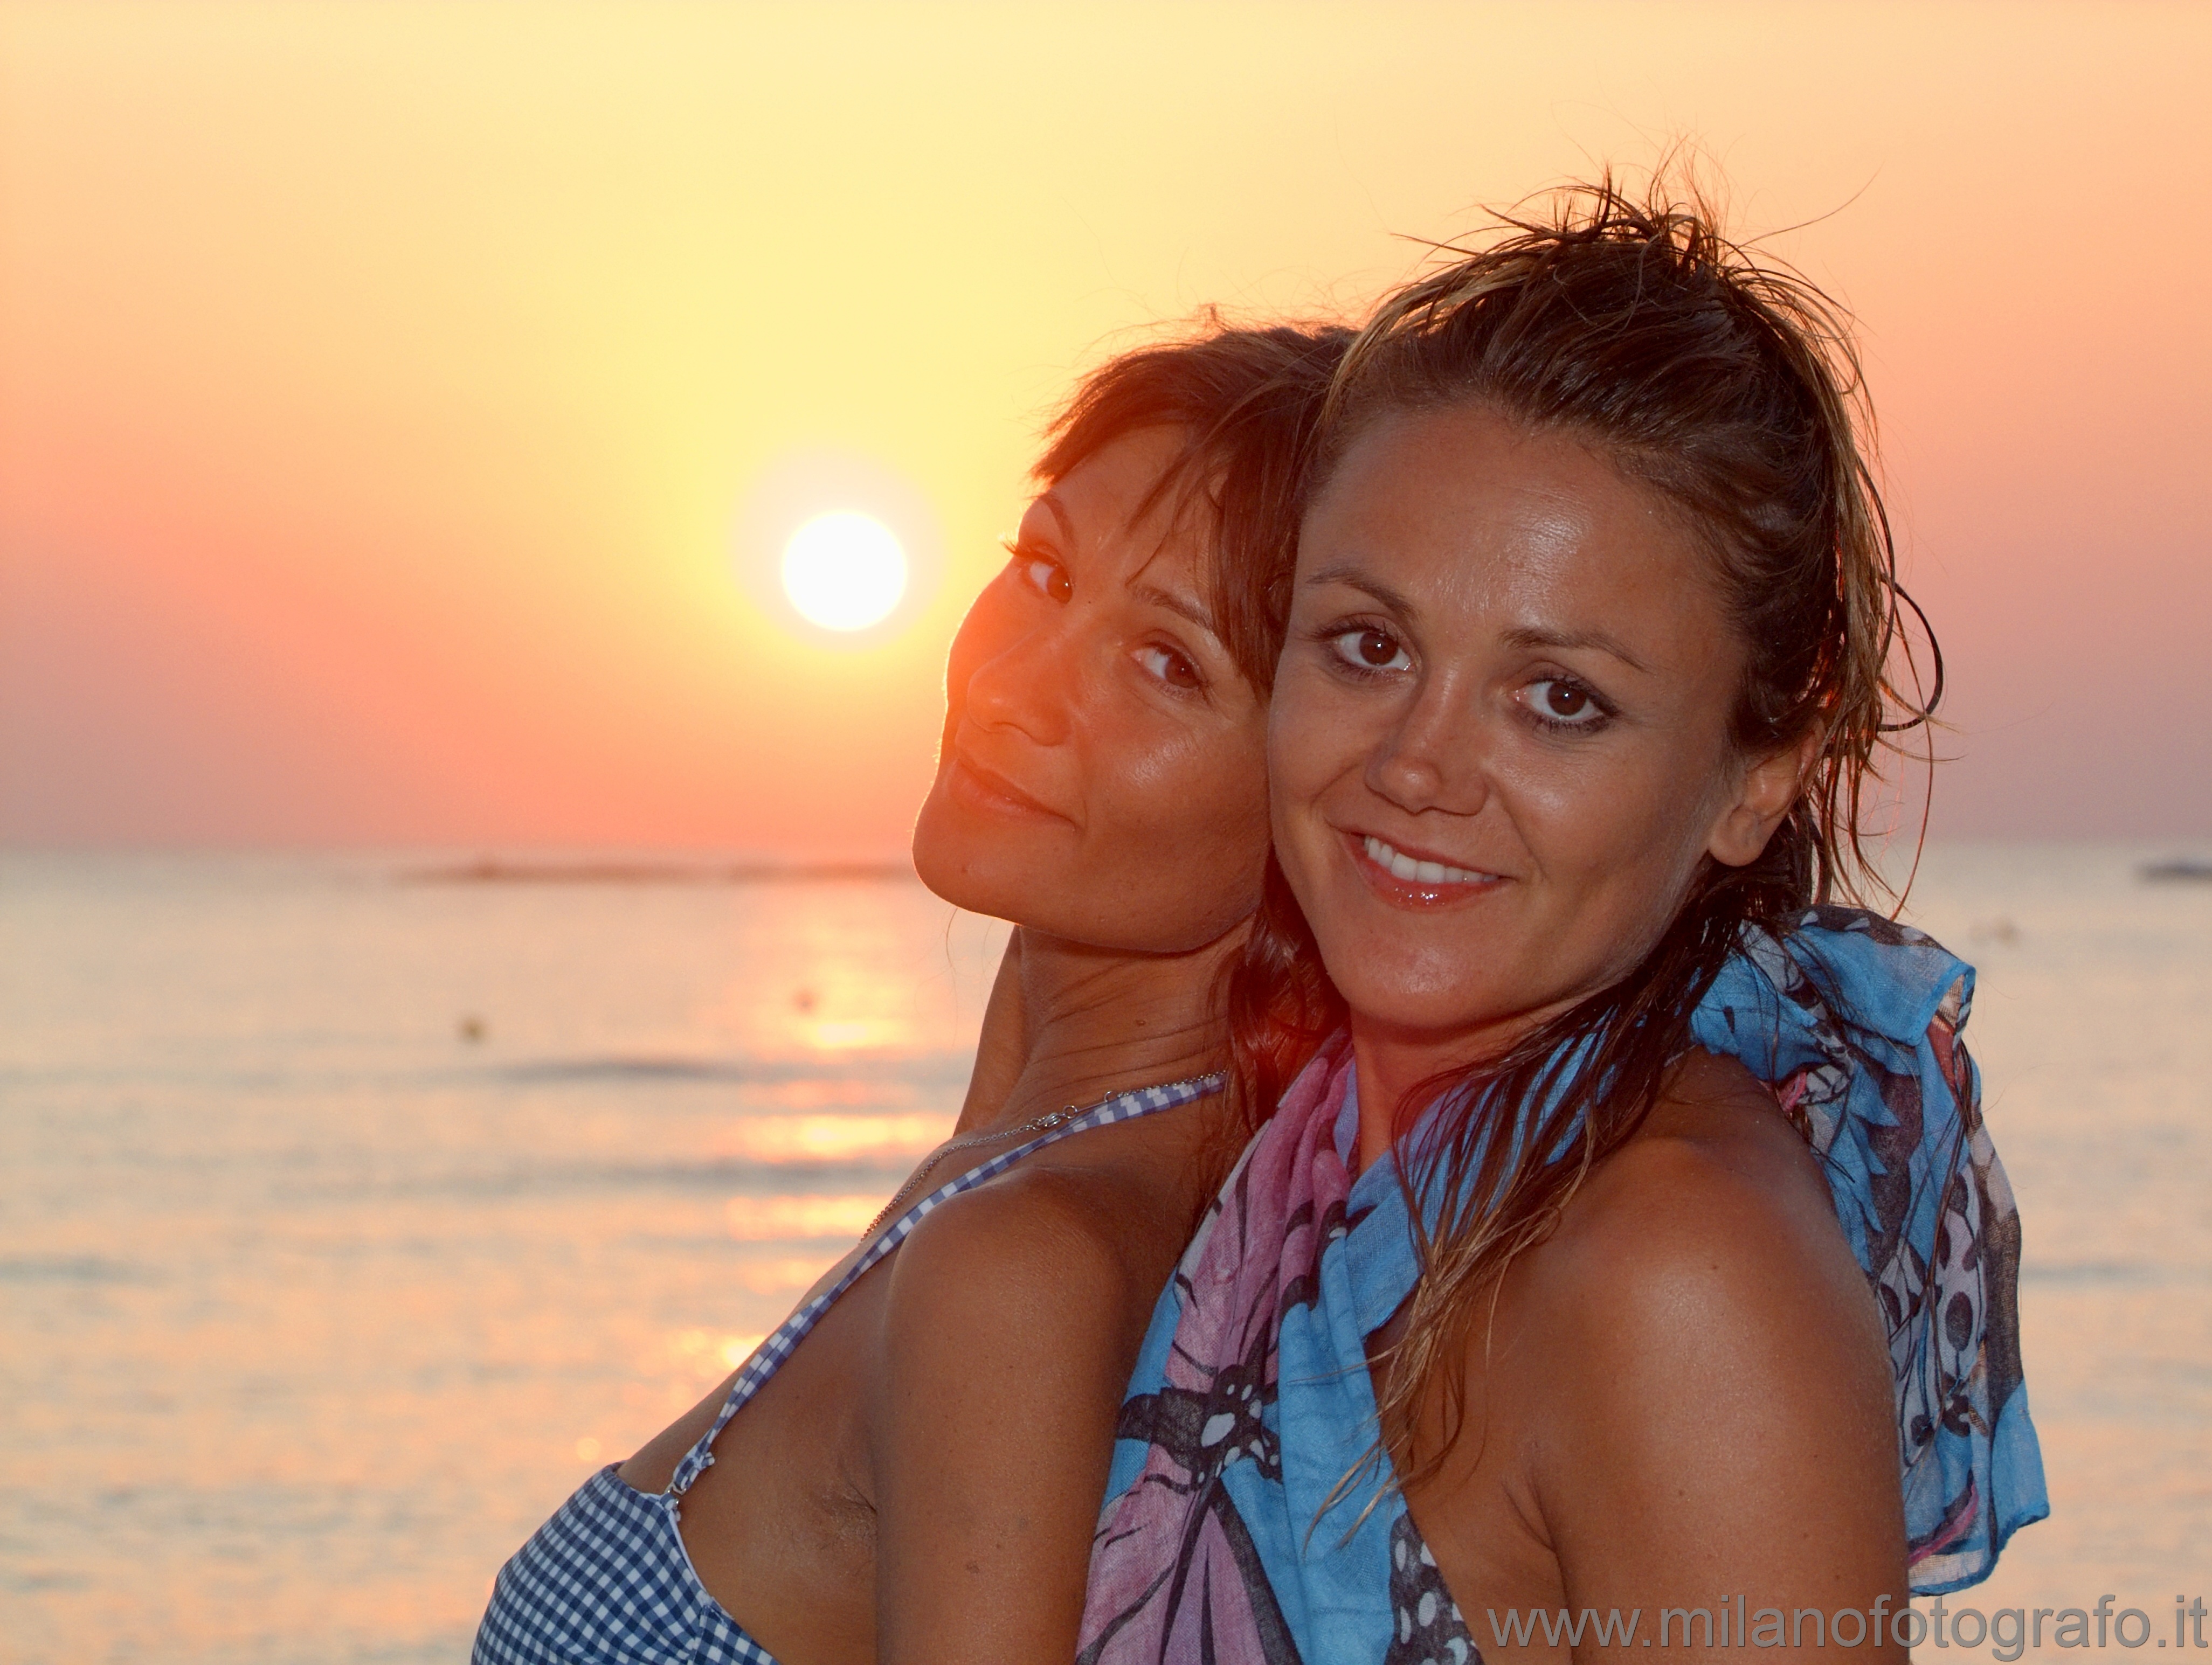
x: 1500, y: 739
x: 1102, y: 776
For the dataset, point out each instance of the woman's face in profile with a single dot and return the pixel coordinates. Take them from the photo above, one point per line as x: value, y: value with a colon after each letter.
x: 1103, y: 774
x: 1500, y: 741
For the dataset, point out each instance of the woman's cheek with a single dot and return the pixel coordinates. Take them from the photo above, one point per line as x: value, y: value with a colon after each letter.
x: 1227, y: 794
x: 1308, y: 736
x: 1588, y: 807
x: 1604, y: 840
x: 1189, y: 792
x: 1160, y: 768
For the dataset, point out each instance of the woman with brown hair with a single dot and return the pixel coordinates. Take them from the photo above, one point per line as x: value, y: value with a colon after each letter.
x: 910, y: 1467
x: 1633, y: 1253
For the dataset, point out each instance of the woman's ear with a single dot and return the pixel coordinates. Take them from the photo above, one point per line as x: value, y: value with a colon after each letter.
x: 1769, y: 787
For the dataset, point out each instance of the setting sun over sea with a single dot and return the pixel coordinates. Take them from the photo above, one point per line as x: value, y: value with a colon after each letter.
x: 404, y: 407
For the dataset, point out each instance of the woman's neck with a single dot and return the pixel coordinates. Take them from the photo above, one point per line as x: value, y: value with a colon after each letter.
x: 1393, y: 1063
x: 1072, y: 1024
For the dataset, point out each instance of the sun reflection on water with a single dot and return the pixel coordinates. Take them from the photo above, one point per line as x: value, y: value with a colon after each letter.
x: 850, y: 978
x: 898, y: 1139
x: 790, y: 1219
x: 859, y: 1035
x: 826, y: 1092
x: 786, y: 1276
x: 699, y: 1356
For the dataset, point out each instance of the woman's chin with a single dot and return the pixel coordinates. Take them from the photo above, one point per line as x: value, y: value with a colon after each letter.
x: 1415, y: 1022
x: 991, y: 875
x: 1424, y: 999
x: 953, y: 874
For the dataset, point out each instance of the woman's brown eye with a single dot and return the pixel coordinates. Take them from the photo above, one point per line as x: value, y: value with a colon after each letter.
x: 1169, y: 667
x: 1051, y: 577
x: 1561, y: 701
x: 1364, y: 648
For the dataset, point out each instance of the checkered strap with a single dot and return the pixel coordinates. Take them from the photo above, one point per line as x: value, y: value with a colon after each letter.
x: 769, y: 1357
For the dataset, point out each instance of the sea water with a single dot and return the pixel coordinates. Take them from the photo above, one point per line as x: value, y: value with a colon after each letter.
x: 349, y: 1218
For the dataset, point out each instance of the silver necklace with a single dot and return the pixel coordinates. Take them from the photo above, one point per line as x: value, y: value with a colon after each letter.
x: 1044, y: 1124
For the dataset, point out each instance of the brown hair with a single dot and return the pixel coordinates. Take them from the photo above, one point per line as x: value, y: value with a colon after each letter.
x: 1734, y: 390
x: 1249, y: 402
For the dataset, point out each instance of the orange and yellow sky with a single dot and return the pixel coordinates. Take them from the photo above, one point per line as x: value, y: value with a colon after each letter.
x: 382, y: 385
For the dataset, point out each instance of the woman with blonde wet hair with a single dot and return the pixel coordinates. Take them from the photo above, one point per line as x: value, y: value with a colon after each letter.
x: 1633, y: 1252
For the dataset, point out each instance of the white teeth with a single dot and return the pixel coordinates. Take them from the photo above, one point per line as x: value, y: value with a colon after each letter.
x: 1424, y: 873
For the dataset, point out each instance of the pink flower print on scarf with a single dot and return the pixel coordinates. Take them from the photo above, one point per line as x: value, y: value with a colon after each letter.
x: 1174, y: 1573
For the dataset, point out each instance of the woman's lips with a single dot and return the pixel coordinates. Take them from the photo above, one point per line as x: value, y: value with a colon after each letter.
x: 994, y: 794
x: 1414, y: 879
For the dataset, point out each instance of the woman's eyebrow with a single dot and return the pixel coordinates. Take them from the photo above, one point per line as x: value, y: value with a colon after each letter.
x: 1349, y: 574
x: 1152, y: 595
x: 1530, y: 636
x: 1049, y: 499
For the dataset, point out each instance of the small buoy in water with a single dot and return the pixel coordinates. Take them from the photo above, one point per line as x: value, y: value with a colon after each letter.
x: 473, y: 1027
x: 804, y: 1000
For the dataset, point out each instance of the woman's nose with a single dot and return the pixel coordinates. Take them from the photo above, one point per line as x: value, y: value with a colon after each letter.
x: 1021, y: 681
x: 1433, y: 757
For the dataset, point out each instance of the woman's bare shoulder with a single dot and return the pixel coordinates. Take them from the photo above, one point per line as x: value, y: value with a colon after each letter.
x: 1703, y: 1368
x: 1042, y: 1251
x: 1041, y: 1223
x: 1010, y: 1324
x: 1715, y: 1172
x: 1709, y: 1239
x: 1111, y: 1207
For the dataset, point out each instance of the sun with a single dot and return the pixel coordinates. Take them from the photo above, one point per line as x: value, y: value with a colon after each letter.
x: 844, y: 571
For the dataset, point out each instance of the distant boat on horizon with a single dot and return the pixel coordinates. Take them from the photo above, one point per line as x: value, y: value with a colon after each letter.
x: 2181, y: 869
x: 495, y: 870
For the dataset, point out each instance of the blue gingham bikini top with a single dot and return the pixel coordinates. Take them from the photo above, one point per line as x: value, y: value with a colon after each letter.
x: 608, y: 1577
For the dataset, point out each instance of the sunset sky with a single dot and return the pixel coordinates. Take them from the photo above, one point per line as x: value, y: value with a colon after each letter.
x: 388, y: 392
